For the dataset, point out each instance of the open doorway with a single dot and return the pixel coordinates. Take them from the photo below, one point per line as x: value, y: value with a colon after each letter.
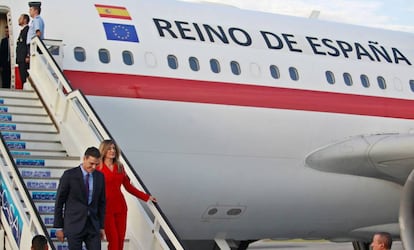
x: 5, y: 68
x: 6, y: 50
x: 3, y: 50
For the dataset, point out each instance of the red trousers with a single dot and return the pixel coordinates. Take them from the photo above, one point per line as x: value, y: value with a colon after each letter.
x: 115, y: 227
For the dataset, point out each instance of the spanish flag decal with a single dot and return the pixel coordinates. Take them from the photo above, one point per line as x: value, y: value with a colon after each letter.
x: 112, y: 11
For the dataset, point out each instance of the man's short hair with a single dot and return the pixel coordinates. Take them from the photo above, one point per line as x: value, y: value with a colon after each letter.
x: 39, y: 242
x: 92, y: 151
x: 36, y: 6
x: 386, y: 239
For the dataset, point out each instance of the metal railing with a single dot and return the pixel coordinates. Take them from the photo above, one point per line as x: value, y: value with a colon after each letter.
x: 79, y: 127
x: 19, y: 215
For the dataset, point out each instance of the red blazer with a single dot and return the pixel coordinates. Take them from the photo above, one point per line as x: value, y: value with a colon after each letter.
x: 115, y: 201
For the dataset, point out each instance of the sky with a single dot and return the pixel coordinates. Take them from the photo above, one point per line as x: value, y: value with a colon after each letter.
x: 386, y: 14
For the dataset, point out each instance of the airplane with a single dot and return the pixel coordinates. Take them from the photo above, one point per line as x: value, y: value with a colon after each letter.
x: 248, y: 125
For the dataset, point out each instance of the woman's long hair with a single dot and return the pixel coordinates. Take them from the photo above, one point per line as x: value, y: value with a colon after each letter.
x: 105, y: 147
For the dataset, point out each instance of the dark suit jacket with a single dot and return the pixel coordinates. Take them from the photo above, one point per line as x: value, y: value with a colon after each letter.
x: 21, y: 48
x: 4, y: 53
x: 71, y: 195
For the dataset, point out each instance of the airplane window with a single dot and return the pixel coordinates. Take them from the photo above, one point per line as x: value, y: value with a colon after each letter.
x: 194, y: 65
x: 365, y: 81
x: 54, y: 50
x: 274, y: 71
x: 330, y: 77
x: 348, y: 79
x: 412, y: 85
x: 172, y: 61
x: 293, y: 72
x: 381, y: 82
x: 127, y: 57
x: 215, y: 66
x: 235, y: 67
x: 80, y: 54
x: 104, y: 55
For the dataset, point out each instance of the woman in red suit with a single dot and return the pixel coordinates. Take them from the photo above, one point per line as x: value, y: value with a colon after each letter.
x: 116, y: 207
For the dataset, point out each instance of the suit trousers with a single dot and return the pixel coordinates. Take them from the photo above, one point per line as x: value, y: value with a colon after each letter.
x: 6, y: 77
x: 23, y: 67
x: 89, y: 235
x: 115, y: 227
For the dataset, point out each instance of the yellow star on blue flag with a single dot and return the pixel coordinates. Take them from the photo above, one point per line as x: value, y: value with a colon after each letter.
x: 121, y: 32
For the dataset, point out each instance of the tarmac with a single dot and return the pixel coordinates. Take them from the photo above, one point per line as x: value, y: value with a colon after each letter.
x: 304, y: 245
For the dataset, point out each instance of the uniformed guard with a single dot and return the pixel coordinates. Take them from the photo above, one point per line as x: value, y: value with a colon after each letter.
x: 21, y: 48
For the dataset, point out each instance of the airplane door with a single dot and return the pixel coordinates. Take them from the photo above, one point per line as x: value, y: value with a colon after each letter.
x: 6, y: 21
x: 12, y: 49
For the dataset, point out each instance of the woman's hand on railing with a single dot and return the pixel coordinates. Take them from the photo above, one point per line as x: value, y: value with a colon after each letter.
x: 153, y: 199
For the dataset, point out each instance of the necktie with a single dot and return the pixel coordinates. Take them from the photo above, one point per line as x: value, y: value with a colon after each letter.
x: 87, y: 187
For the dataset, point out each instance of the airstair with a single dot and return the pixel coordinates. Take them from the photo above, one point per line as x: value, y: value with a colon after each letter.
x: 44, y: 132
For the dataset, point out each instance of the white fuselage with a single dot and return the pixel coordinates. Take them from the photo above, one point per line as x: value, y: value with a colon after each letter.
x: 198, y: 156
x: 204, y: 152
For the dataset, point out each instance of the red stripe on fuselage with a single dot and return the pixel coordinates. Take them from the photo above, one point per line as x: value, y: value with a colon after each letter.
x: 172, y: 89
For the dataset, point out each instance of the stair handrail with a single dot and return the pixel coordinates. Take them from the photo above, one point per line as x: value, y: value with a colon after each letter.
x: 20, y: 195
x: 78, y: 101
x: 97, y: 126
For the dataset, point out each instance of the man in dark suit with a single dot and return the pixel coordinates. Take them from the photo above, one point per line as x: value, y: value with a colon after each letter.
x: 5, y: 60
x: 80, y: 204
x: 21, y: 48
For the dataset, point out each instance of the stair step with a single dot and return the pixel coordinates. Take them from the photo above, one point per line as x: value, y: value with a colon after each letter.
x: 23, y: 135
x: 42, y: 172
x: 39, y: 153
x: 33, y: 127
x: 64, y: 245
x: 42, y: 178
x: 47, y: 219
x: 34, y: 145
x: 41, y: 184
x: 52, y: 233
x: 42, y: 195
x: 17, y: 93
x: 45, y: 207
x: 20, y: 101
x: 45, y: 164
x: 21, y: 109
x: 50, y: 161
x: 31, y: 118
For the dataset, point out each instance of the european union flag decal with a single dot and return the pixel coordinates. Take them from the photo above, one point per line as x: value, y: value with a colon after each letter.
x: 121, y: 32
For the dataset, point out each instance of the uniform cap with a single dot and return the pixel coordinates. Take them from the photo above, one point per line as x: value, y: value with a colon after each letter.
x: 35, y: 4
